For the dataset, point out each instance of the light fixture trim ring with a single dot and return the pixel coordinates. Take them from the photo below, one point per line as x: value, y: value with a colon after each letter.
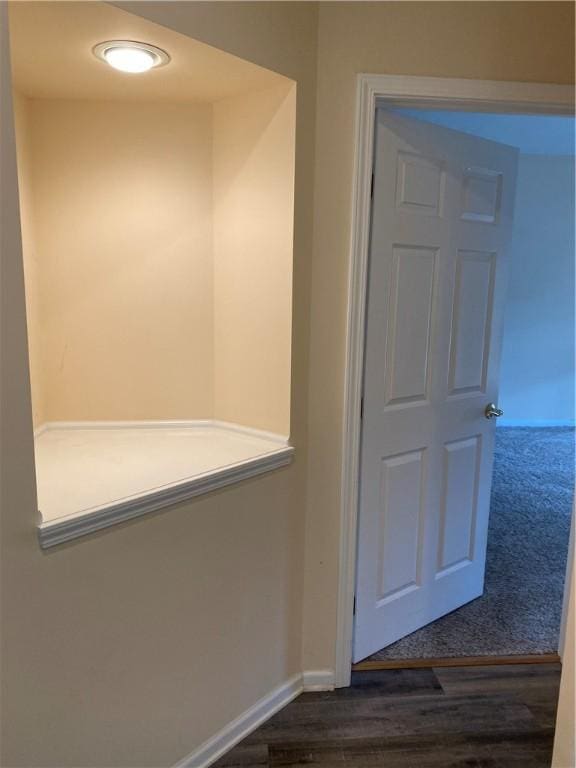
x: 160, y: 56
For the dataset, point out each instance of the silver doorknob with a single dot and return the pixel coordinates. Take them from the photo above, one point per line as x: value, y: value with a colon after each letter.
x: 492, y: 412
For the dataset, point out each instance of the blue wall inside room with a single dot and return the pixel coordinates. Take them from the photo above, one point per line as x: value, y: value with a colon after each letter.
x: 537, y: 371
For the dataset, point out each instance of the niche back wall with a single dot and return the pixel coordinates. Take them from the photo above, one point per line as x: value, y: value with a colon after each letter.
x: 122, y: 204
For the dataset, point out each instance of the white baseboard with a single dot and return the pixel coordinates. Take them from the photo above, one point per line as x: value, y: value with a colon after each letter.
x: 318, y: 680
x: 244, y: 724
x: 535, y: 423
x: 51, y: 426
x: 256, y: 715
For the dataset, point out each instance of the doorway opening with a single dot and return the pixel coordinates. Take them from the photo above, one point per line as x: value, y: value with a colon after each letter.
x: 425, y: 173
x: 519, y: 611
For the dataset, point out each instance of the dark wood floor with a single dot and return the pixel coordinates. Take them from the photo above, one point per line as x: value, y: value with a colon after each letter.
x: 460, y: 717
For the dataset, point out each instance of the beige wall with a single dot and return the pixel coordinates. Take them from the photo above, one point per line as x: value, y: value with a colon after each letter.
x: 123, y: 225
x: 253, y: 235
x: 485, y: 40
x: 131, y: 647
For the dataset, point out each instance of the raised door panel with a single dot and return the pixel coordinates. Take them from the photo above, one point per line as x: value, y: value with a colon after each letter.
x: 409, y: 327
x: 458, y: 504
x: 471, y: 322
x: 420, y: 184
x: 481, y: 195
x: 401, y: 500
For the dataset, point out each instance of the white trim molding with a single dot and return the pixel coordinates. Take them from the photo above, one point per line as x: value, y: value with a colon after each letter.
x: 391, y: 90
x: 256, y: 715
x: 318, y: 680
x: 61, y: 529
x: 243, y: 725
x: 162, y: 424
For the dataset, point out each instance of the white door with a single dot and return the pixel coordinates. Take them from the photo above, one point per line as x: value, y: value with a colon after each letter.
x: 441, y: 218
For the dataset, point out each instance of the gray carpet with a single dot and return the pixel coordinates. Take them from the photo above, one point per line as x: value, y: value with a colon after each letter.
x: 530, y: 511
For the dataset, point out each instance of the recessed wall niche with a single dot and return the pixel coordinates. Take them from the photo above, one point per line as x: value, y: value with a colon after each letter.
x: 157, y: 227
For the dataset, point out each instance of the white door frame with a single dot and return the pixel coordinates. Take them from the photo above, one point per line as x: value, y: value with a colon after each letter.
x: 373, y: 91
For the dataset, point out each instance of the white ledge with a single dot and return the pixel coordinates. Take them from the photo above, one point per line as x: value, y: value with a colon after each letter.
x: 60, y: 529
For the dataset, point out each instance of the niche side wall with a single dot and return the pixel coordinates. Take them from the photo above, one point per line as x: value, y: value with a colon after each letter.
x: 30, y: 255
x: 254, y: 146
x: 122, y: 198
x: 537, y: 373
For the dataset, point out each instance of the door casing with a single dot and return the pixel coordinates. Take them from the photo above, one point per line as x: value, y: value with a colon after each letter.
x: 394, y: 91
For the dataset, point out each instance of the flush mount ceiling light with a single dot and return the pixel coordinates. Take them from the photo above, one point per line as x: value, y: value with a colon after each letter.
x: 130, y: 56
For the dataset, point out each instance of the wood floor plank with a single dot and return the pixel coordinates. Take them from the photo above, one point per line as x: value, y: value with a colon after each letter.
x: 510, y: 751
x: 397, y: 682
x: 462, y: 680
x: 478, y: 717
x: 395, y: 716
x: 536, y: 686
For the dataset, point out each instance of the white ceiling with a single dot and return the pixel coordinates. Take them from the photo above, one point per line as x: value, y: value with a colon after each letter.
x: 531, y: 134
x: 52, y: 57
